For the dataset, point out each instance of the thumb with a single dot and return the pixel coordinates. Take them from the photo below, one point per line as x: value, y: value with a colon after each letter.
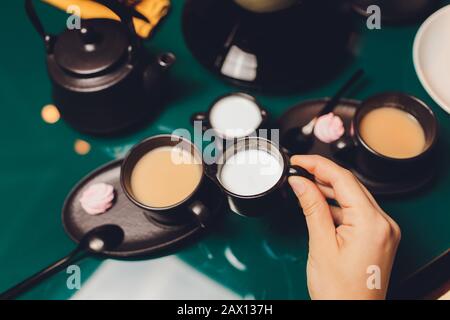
x: 316, y: 210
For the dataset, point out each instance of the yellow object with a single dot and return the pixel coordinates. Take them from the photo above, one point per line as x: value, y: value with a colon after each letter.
x: 50, y: 114
x: 153, y: 10
x: 82, y: 147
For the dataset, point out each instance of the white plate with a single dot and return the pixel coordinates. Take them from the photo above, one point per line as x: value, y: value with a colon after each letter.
x: 431, y: 55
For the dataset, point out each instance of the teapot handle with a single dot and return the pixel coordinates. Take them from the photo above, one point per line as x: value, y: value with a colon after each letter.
x: 37, y: 24
x: 124, y: 13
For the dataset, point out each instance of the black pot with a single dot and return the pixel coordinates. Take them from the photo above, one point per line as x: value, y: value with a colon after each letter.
x: 103, y: 80
x: 298, y: 47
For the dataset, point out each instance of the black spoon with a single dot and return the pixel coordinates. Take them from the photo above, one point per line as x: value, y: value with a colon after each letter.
x: 98, y: 240
x: 298, y: 140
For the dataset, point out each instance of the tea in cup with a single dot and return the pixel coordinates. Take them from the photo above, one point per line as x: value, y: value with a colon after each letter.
x: 161, y: 167
x: 394, y: 135
x: 393, y: 132
x: 165, y: 176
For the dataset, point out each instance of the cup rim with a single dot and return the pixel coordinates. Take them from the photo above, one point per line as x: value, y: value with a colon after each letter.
x: 262, y: 111
x: 129, y: 193
x: 356, y: 123
x: 268, y: 191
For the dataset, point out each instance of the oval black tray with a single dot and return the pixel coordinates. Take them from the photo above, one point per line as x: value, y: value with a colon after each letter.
x: 143, y: 237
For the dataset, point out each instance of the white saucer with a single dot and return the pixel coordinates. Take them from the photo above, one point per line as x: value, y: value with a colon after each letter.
x: 431, y: 54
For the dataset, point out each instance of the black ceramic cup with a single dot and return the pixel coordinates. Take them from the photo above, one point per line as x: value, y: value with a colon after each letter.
x: 264, y: 201
x: 231, y: 122
x: 359, y: 155
x: 195, y: 208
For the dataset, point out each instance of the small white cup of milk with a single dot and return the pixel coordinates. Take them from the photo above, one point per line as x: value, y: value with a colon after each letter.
x: 253, y: 172
x: 233, y: 116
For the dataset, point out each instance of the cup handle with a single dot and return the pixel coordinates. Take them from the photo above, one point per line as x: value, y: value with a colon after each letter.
x: 297, y: 171
x: 295, y: 142
x: 200, y: 212
x: 344, y: 148
x: 264, y: 114
x: 200, y: 116
x: 211, y: 171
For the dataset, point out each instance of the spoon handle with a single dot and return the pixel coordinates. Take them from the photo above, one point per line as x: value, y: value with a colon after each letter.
x: 30, y: 282
x: 329, y: 106
x: 335, y: 99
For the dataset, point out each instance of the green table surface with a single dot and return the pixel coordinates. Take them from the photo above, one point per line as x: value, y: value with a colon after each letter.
x: 39, y: 165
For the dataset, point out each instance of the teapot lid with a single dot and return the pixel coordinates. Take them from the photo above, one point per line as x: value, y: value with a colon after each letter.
x: 100, y: 44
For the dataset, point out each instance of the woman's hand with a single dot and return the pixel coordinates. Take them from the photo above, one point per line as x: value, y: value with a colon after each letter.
x: 351, y: 247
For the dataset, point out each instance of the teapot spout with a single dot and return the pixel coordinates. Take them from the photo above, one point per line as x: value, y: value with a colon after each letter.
x: 155, y: 73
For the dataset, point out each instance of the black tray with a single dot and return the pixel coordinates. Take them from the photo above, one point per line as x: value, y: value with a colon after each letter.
x: 143, y: 237
x: 301, y: 114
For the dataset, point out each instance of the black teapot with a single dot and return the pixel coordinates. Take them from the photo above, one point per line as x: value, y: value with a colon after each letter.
x: 103, y: 79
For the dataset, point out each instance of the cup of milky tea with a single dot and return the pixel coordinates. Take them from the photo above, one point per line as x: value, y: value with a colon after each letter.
x: 233, y: 116
x: 253, y: 172
x: 165, y: 176
x: 393, y: 137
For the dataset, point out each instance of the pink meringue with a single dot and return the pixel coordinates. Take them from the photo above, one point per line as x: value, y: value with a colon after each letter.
x: 329, y: 128
x: 97, y: 198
